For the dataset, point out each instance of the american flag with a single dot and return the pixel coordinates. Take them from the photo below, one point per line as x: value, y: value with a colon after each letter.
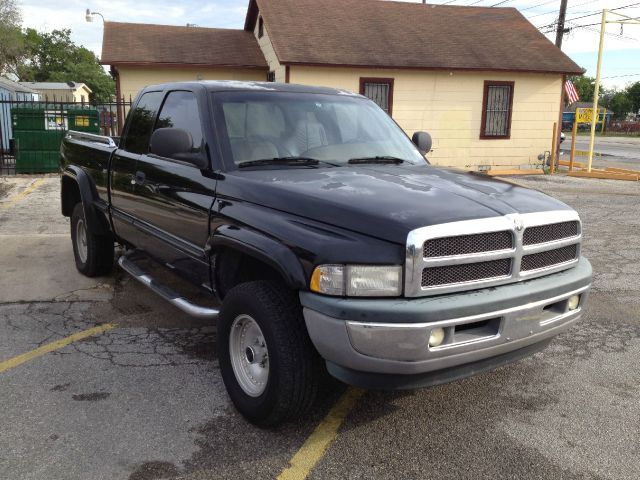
x: 572, y: 93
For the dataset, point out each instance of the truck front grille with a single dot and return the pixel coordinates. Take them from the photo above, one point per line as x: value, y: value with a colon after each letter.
x: 465, y: 272
x: 466, y: 244
x: 471, y: 254
x: 549, y: 258
x: 550, y: 233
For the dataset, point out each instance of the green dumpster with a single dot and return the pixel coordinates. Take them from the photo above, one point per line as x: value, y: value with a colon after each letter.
x: 27, y: 118
x: 37, y: 162
x: 38, y: 131
x: 34, y: 140
x: 84, y: 119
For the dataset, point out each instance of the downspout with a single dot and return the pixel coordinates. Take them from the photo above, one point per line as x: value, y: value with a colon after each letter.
x: 119, y: 99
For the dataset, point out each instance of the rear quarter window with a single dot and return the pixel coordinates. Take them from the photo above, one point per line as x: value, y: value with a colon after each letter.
x: 141, y: 121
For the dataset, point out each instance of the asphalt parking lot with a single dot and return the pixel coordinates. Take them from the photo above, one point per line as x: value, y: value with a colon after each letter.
x: 609, y: 151
x: 143, y: 398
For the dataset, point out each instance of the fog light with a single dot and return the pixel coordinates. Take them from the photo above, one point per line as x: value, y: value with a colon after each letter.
x: 436, y: 337
x: 573, y: 302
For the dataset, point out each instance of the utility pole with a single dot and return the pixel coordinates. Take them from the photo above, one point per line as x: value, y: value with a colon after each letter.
x: 560, y: 31
x: 596, y: 93
x: 622, y: 20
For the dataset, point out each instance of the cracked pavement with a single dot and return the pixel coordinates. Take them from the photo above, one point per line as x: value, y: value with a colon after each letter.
x: 146, y: 401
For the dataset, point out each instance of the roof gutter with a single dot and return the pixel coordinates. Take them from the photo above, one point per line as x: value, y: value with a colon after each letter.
x: 447, y: 69
x: 181, y: 65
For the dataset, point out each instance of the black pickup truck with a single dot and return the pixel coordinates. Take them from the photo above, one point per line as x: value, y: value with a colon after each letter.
x: 328, y: 238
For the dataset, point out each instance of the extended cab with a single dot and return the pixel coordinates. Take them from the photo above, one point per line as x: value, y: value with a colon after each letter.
x: 329, y: 240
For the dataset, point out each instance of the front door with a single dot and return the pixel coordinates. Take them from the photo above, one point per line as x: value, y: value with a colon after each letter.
x: 173, y: 198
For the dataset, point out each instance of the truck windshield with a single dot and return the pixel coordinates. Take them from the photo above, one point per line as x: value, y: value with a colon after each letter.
x: 269, y: 128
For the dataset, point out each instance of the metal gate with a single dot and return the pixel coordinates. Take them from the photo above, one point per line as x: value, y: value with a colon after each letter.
x: 31, y: 131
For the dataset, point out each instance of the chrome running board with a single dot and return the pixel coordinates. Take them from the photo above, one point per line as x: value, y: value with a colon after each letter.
x: 165, y: 292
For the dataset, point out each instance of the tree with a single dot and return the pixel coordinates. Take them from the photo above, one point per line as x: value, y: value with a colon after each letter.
x: 53, y: 57
x: 11, y: 40
x: 621, y: 105
x: 584, y: 87
x: 633, y: 92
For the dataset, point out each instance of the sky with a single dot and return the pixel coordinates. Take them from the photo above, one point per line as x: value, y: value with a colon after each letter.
x: 621, y: 60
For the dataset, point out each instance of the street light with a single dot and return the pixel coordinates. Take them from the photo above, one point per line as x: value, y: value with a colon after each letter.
x: 89, y: 15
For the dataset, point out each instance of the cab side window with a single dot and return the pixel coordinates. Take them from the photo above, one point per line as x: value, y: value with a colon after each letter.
x: 180, y: 110
x: 141, y: 120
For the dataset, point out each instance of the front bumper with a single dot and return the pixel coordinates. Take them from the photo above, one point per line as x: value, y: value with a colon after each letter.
x: 383, y: 343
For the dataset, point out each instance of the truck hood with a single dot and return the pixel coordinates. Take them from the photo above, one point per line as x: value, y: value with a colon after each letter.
x: 385, y: 201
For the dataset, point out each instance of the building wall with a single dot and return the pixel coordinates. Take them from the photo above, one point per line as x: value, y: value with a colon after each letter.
x: 58, y: 95
x: 81, y: 94
x: 134, y: 79
x: 270, y: 54
x: 448, y: 105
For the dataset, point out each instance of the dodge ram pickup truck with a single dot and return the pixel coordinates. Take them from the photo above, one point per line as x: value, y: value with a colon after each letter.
x: 329, y: 240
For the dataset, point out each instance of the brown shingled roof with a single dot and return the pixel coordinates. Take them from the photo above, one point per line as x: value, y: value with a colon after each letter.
x: 137, y: 43
x: 394, y: 34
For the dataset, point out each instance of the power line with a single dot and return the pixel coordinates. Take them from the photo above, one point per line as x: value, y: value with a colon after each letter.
x: 500, y: 3
x: 611, y: 34
x: 554, y: 11
x: 620, y: 76
x: 543, y: 4
x: 594, y: 13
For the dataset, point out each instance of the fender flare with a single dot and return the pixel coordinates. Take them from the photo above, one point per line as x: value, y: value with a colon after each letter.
x: 262, y: 248
x: 88, y: 195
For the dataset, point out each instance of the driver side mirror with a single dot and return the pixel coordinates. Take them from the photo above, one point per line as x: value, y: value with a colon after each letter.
x: 177, y: 144
x: 423, y: 141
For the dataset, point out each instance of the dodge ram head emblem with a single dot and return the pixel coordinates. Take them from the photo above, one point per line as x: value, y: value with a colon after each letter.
x: 519, y: 224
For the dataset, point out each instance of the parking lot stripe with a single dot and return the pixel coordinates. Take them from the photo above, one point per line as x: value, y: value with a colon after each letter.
x: 18, y: 196
x: 50, y: 347
x: 316, y: 445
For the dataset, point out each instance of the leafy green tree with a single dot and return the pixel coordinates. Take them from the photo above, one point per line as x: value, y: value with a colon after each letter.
x: 11, y: 40
x: 53, y: 57
x: 584, y: 86
x: 633, y: 92
x: 621, y: 105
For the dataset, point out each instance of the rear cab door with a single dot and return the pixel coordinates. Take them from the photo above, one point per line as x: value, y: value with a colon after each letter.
x: 124, y: 163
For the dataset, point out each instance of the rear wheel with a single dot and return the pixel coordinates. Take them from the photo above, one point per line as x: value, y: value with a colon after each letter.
x: 268, y: 363
x: 93, y: 253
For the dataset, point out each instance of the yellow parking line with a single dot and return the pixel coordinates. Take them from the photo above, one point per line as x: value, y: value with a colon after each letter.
x: 50, y: 347
x: 18, y: 196
x: 316, y: 445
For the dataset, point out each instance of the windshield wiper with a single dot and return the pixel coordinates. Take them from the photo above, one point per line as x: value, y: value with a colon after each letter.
x: 380, y: 159
x: 293, y: 161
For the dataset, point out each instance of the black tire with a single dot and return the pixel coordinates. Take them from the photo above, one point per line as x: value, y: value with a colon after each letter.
x: 294, y: 366
x: 94, y: 253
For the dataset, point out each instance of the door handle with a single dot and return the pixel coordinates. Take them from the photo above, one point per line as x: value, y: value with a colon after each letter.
x: 138, y: 178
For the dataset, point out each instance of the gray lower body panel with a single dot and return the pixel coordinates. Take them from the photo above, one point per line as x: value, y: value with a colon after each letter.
x: 385, y: 381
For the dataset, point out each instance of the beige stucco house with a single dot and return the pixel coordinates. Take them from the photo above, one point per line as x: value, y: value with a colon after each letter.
x: 483, y: 81
x: 60, y: 91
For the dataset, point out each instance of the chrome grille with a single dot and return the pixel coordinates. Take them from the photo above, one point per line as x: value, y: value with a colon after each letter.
x: 467, y: 244
x: 472, y: 254
x: 550, y: 233
x: 465, y: 272
x: 546, y: 259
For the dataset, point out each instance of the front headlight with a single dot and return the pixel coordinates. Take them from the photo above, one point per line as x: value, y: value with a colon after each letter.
x: 358, y: 280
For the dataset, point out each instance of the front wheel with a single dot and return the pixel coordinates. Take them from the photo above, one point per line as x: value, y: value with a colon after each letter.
x: 268, y: 363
